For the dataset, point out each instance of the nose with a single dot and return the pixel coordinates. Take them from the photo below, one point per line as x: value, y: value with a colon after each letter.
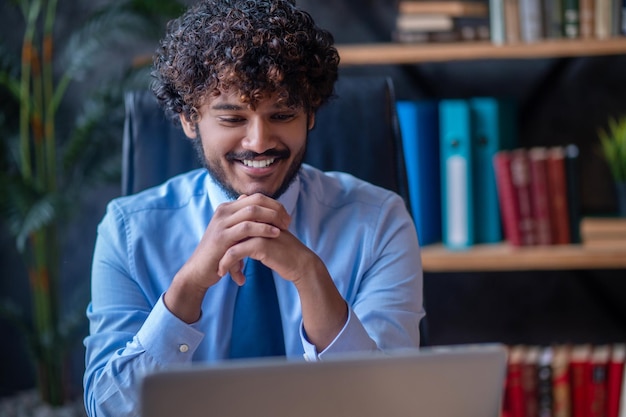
x: 259, y: 136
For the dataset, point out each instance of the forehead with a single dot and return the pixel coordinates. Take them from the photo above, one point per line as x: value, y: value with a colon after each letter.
x: 236, y: 100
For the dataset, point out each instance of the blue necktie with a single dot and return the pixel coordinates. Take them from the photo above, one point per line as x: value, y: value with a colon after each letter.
x: 257, y: 327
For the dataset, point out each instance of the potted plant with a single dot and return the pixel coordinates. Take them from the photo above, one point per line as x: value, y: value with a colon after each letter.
x: 613, y: 143
x: 46, y: 164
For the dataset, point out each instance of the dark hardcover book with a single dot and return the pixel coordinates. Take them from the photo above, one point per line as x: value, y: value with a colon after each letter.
x: 572, y: 177
x: 538, y: 157
x: 520, y: 175
x: 545, y: 386
x: 507, y: 197
x: 571, y: 21
x: 557, y: 184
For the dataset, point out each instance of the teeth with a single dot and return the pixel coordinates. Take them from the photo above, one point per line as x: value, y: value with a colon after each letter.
x: 258, y: 164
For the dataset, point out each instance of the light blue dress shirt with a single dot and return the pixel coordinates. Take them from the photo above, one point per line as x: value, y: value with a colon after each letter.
x: 363, y: 234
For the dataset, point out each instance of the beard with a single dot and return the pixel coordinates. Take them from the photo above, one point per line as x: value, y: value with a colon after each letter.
x: 219, y: 175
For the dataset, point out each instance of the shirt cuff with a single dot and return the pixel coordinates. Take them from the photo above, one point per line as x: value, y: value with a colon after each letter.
x: 352, y: 337
x: 167, y: 338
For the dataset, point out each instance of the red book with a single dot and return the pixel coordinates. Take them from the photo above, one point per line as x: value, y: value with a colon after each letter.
x: 545, y: 387
x: 615, y: 375
x: 507, y: 197
x: 561, y: 381
x: 538, y: 157
x: 557, y: 185
x: 580, y: 373
x: 597, y: 388
x: 513, y: 392
x: 520, y: 175
x: 529, y: 380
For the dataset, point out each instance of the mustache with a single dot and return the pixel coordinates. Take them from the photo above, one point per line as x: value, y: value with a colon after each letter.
x: 270, y: 153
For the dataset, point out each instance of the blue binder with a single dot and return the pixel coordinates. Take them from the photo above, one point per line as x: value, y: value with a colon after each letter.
x: 419, y: 124
x: 494, y: 128
x: 456, y: 173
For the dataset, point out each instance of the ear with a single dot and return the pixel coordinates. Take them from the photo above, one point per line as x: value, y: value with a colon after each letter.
x: 188, y: 127
x: 311, y: 120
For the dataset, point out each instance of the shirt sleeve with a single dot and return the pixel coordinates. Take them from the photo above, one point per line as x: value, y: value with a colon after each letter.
x: 128, y: 336
x: 385, y: 311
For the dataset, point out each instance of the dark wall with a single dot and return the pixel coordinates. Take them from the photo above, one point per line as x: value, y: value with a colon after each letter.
x: 561, y: 101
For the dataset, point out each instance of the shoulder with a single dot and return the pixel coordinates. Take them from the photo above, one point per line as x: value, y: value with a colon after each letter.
x: 175, y: 193
x: 339, y: 189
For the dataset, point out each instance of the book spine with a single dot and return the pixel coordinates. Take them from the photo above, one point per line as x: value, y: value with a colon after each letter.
x: 553, y: 19
x: 530, y: 20
x: 597, y: 386
x: 507, y: 198
x: 615, y: 374
x: 572, y: 177
x: 559, y: 217
x: 587, y: 18
x: 571, y: 21
x: 561, y: 382
x: 496, y: 22
x: 512, y: 21
x: 545, y: 395
x: 539, y: 185
x: 520, y: 175
x: 419, y: 124
x: 580, y: 367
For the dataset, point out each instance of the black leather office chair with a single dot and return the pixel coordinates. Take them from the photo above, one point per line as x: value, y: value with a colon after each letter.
x: 356, y: 132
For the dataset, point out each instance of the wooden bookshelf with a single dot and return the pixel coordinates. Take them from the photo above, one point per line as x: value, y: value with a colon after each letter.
x: 503, y: 257
x: 398, y: 53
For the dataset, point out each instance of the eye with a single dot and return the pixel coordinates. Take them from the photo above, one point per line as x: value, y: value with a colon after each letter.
x: 231, y: 119
x: 283, y: 117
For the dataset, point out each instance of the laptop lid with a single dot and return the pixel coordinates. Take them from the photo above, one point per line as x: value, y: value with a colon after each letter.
x: 450, y: 381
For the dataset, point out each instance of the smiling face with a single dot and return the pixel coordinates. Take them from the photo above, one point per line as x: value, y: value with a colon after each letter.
x: 250, y: 150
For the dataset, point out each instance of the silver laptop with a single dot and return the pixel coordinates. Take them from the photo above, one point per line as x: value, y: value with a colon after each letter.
x: 445, y: 381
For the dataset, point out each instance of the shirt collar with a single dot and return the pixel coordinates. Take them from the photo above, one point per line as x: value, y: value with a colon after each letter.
x: 288, y: 199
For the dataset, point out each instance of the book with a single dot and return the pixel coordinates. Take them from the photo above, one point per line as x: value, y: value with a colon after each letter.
x: 457, y: 192
x: 615, y: 376
x: 449, y: 7
x: 493, y: 129
x: 603, y: 227
x: 507, y: 197
x: 561, y: 406
x: 602, y: 19
x: 571, y: 22
x: 530, y: 20
x: 572, y: 177
x: 580, y: 373
x: 545, y: 390
x: 559, y: 215
x: 587, y: 18
x: 419, y: 125
x: 496, y: 22
x: 597, y: 385
x: 529, y: 380
x: 514, y: 400
x: 463, y: 29
x: 424, y: 22
x: 520, y: 176
x: 552, y: 19
x: 538, y: 157
x: 512, y: 21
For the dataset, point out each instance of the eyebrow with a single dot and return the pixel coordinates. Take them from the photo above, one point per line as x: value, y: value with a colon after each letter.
x: 227, y: 106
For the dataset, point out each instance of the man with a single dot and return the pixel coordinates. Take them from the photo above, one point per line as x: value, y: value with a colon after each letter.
x: 245, y: 78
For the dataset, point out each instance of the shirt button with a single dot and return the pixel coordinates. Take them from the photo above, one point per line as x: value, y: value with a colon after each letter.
x: 183, y: 348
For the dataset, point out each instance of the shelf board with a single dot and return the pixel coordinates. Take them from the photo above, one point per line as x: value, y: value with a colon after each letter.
x: 504, y: 257
x: 399, y: 53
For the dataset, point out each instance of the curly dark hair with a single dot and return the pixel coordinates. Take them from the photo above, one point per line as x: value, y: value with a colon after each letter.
x: 254, y: 47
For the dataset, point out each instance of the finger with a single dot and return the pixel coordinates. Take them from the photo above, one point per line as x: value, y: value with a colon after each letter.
x: 261, y: 208
x: 236, y: 273
x: 252, y: 248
